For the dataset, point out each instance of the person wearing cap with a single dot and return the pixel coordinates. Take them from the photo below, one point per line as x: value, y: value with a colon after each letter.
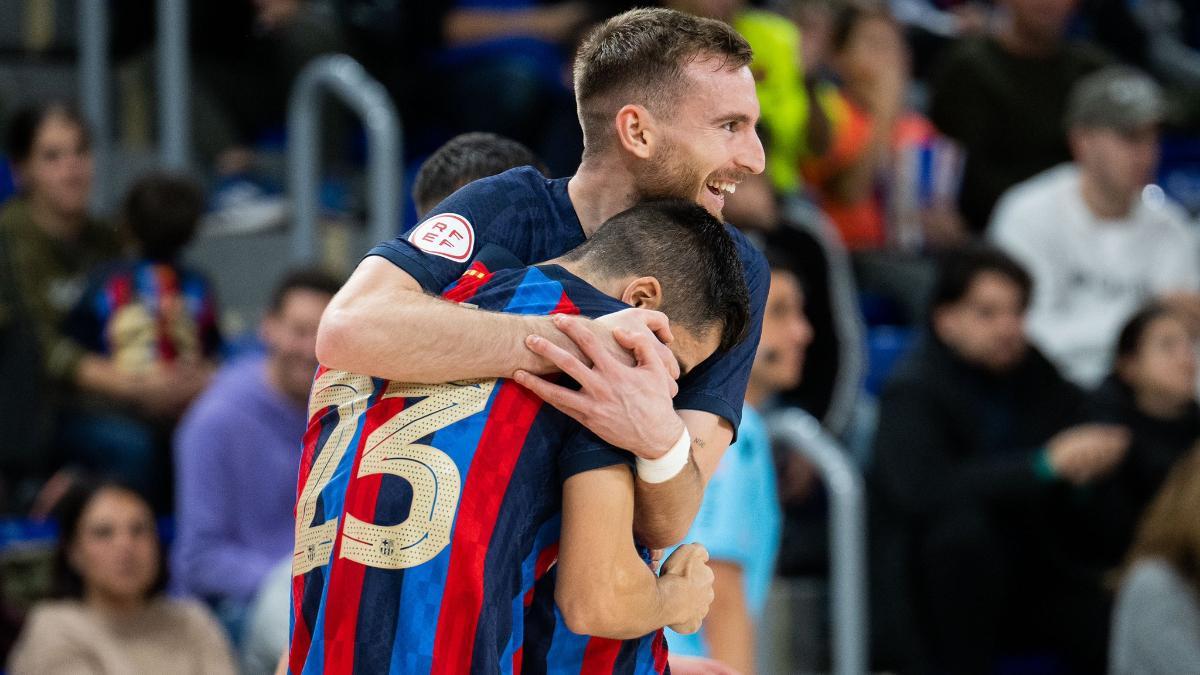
x: 1099, y: 239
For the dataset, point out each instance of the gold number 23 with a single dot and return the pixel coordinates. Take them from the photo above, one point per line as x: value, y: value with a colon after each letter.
x: 389, y: 449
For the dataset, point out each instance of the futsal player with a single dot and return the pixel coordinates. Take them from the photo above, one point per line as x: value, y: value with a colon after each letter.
x: 426, y: 513
x: 668, y: 107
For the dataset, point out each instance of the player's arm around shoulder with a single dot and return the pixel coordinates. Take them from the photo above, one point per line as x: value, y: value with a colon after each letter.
x: 604, y: 587
x: 382, y: 323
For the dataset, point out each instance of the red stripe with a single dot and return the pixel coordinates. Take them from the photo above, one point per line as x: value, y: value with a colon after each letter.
x: 565, y: 306
x: 659, y: 649
x: 344, y: 592
x: 600, y: 656
x: 518, y: 657
x: 468, y: 284
x: 512, y: 414
x: 301, y: 638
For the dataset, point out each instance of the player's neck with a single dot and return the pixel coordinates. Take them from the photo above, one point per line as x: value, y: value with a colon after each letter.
x: 599, y: 190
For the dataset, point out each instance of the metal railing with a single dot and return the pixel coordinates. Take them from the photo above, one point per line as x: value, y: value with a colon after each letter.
x: 847, y: 533
x: 847, y: 316
x: 95, y: 94
x: 95, y: 99
x: 348, y: 80
x: 173, y: 77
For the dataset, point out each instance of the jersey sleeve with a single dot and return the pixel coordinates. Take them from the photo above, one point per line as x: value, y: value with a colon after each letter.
x: 719, y: 384
x: 488, y: 211
x: 585, y: 451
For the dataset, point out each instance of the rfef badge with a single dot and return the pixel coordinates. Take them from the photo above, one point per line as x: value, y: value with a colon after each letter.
x: 448, y: 235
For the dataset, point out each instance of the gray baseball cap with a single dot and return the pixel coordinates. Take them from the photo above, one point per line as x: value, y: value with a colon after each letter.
x: 1117, y: 97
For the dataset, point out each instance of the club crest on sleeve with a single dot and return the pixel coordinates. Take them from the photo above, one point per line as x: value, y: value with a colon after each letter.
x: 448, y: 235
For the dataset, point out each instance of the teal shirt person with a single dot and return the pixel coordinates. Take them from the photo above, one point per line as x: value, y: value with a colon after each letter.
x: 739, y: 521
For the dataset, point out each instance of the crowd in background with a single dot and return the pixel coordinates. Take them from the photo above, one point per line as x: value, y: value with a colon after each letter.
x: 1008, y: 181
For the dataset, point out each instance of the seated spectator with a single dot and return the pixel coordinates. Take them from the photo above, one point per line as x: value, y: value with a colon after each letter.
x: 1156, y: 619
x: 866, y: 182
x: 48, y: 245
x: 742, y: 490
x: 975, y: 456
x: 150, y: 317
x: 1002, y: 97
x: 112, y: 617
x: 463, y: 159
x: 1096, y: 244
x: 1152, y: 391
x: 236, y: 453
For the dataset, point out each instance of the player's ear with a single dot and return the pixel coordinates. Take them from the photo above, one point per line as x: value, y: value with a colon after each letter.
x: 636, y: 130
x: 643, y: 293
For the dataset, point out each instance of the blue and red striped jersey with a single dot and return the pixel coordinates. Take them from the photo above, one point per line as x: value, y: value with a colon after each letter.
x: 146, y: 313
x: 426, y: 513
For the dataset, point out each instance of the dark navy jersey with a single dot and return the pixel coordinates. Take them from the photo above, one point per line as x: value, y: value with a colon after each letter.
x: 427, y: 513
x: 532, y: 216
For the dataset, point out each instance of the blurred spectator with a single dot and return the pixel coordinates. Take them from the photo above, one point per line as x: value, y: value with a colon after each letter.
x: 870, y: 60
x: 48, y: 245
x: 463, y: 159
x: 872, y: 182
x: 1152, y: 391
x: 974, y: 458
x: 1003, y: 98
x: 1156, y: 620
x: 1098, y: 242
x: 153, y: 319
x: 236, y: 452
x: 112, y: 617
x: 743, y: 490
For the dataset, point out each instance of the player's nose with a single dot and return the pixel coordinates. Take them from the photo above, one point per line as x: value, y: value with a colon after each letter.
x: 751, y: 157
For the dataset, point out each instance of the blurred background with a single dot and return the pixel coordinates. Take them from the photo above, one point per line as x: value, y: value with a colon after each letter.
x: 979, y: 376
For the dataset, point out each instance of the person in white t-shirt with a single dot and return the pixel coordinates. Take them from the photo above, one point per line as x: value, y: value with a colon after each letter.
x: 1099, y: 240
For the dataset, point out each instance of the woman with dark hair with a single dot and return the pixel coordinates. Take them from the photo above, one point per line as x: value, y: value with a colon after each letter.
x: 1156, y: 622
x: 1152, y: 392
x: 111, y: 616
x: 48, y: 244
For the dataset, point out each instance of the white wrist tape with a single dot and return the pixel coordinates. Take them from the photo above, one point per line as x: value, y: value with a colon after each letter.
x: 669, y: 465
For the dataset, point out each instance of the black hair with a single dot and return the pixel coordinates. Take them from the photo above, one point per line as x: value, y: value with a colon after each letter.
x: 466, y: 158
x: 690, y: 253
x: 960, y: 269
x: 162, y: 211
x: 68, y: 512
x: 303, y: 279
x: 25, y: 123
x: 1129, y: 342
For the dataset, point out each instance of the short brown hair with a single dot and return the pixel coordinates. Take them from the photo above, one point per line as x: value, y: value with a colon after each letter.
x: 639, y: 56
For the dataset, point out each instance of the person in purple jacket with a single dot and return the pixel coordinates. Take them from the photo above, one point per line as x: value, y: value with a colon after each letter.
x: 236, y: 452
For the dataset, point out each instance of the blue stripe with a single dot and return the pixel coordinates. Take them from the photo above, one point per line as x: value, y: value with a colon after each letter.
x: 566, y: 648
x: 537, y: 294
x: 547, y: 536
x: 424, y: 585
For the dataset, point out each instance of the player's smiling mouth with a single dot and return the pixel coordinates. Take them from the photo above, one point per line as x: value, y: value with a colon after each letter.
x: 719, y: 186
